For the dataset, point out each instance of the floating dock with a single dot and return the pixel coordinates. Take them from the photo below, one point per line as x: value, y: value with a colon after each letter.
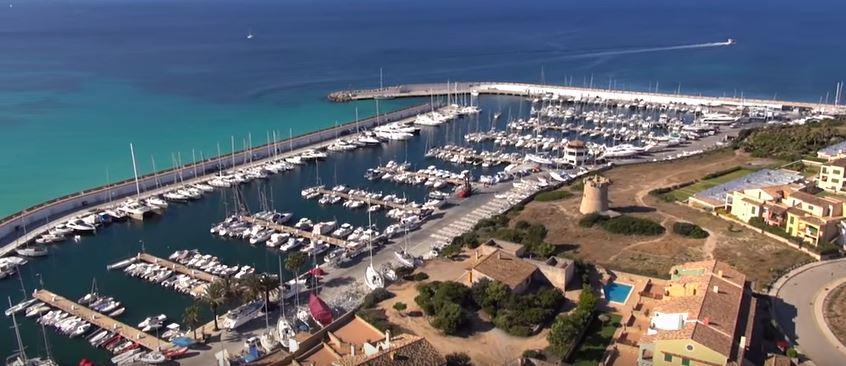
x: 296, y: 232
x: 495, y: 159
x: 383, y: 203
x: 102, y: 321
x: 176, y: 267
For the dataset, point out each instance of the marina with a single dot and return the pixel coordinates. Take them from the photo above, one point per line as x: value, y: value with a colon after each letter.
x: 101, y: 321
x: 246, y: 196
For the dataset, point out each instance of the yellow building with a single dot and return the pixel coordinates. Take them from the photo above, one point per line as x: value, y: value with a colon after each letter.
x: 832, y: 176
x: 747, y: 204
x: 705, y: 318
x: 813, y: 219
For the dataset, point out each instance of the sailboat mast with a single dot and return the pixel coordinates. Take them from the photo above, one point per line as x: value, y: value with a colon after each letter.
x: 135, y: 171
x: 21, y: 350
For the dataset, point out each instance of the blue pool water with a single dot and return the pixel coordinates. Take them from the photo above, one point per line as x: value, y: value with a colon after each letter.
x: 617, y: 292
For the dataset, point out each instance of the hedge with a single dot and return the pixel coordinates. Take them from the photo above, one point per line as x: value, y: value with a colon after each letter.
x: 628, y: 225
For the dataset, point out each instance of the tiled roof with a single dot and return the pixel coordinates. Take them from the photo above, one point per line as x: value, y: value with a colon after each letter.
x: 504, y: 267
x: 814, y: 200
x: 838, y: 163
x: 712, y: 315
x: 405, y: 350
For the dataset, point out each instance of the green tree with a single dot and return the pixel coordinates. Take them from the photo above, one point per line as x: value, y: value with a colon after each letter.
x: 295, y: 261
x: 562, y: 333
x: 250, y: 287
x: 268, y: 283
x: 449, y: 318
x: 191, y: 317
x: 400, y: 306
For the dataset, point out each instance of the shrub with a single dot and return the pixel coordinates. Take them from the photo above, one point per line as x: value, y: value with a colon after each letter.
x: 689, y: 230
x: 458, y: 359
x: 552, y: 196
x: 419, y: 276
x: 566, y: 329
x: 400, y: 306
x: 628, y: 225
x: 533, y: 353
x: 790, y: 142
x: 590, y: 220
x: 376, y: 296
x: 792, y: 352
x: 521, y: 225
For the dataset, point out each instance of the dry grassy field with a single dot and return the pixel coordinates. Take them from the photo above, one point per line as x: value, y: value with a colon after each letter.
x: 754, y: 254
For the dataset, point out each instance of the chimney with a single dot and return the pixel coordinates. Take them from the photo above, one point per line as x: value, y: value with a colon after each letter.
x: 498, y: 255
x: 352, y: 350
x: 387, y: 338
x: 720, y: 273
x: 476, y: 253
x: 716, y: 289
x: 706, y: 321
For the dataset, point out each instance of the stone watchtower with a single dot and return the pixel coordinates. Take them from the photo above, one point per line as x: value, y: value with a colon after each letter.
x: 595, y: 195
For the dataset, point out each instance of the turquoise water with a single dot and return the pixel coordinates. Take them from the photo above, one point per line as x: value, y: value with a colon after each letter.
x: 617, y: 292
x: 80, y: 80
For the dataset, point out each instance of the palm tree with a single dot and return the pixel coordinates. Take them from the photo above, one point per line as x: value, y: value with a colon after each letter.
x: 214, y: 296
x: 268, y: 283
x: 191, y: 317
x: 250, y: 286
x: 293, y: 263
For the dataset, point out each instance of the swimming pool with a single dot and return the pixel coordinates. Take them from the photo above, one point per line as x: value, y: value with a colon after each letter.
x: 617, y: 292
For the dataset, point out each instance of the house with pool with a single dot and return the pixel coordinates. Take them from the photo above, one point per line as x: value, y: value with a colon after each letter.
x: 705, y: 317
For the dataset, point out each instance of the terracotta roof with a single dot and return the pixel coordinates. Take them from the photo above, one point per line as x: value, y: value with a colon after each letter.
x: 404, y: 350
x: 712, y: 315
x: 838, y: 163
x: 814, y: 200
x: 504, y: 267
x: 775, y: 207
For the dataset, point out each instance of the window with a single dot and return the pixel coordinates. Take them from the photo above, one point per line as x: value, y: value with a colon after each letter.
x: 685, y: 362
x: 825, y: 170
x: 668, y: 357
x: 689, y: 347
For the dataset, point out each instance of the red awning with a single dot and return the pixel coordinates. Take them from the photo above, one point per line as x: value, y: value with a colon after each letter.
x: 317, y: 272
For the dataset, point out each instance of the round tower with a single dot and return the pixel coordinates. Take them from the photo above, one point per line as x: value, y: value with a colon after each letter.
x: 595, y: 195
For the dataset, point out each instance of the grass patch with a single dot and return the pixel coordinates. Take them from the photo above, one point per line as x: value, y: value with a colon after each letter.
x: 689, y: 230
x: 684, y: 193
x: 552, y: 196
x: 597, y: 338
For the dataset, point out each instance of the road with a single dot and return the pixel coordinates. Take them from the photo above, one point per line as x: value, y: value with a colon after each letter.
x: 796, y: 296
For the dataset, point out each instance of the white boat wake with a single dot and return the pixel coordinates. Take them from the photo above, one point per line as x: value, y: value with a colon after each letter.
x: 729, y: 42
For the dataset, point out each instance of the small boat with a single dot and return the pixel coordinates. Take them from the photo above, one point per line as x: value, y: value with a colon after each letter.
x: 153, y: 358
x: 117, y: 312
x: 32, y: 251
x: 373, y: 278
x: 19, y: 307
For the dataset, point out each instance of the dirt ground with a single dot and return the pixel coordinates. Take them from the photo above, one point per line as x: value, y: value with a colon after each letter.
x: 835, y: 312
x: 756, y: 255
x: 485, y: 346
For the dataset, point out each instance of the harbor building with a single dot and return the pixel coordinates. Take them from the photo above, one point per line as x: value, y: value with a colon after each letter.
x: 832, y: 177
x: 352, y: 341
x: 499, y: 261
x: 705, y: 317
x: 576, y: 153
x: 595, y: 195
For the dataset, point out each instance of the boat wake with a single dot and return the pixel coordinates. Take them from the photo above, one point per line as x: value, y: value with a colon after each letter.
x: 649, y: 49
x: 590, y: 54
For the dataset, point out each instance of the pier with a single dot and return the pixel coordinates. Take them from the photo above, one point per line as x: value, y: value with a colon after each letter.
x: 383, y: 203
x: 470, y: 155
x: 296, y: 232
x: 19, y: 228
x: 532, y: 90
x: 176, y: 267
x: 130, y: 333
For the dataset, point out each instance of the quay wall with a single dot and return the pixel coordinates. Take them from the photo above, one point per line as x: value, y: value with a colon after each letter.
x: 35, y: 218
x: 525, y: 89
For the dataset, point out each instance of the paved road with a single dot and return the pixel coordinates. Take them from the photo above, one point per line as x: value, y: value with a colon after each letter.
x: 794, y: 310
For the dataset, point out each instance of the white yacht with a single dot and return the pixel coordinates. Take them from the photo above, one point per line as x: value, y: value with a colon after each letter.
x: 239, y: 316
x: 373, y: 278
x: 32, y: 251
x: 718, y: 119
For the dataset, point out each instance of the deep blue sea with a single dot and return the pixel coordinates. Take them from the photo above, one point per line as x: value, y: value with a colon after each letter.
x: 81, y: 79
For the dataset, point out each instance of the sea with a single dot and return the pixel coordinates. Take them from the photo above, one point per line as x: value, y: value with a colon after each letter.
x: 82, y: 79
